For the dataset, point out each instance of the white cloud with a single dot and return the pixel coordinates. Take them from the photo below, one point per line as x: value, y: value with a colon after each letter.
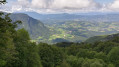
x: 114, y: 5
x: 22, y: 3
x: 56, y: 6
x: 40, y: 3
x: 64, y: 4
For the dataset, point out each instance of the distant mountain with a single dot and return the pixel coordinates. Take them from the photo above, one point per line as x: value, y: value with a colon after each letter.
x: 47, y: 16
x: 102, y: 38
x: 68, y: 27
x: 33, y: 14
x: 35, y: 27
x: 91, y: 16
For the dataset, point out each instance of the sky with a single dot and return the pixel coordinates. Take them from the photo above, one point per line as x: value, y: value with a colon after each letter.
x: 61, y: 6
x: 104, y: 1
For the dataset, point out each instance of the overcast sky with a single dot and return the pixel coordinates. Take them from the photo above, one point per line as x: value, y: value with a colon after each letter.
x: 59, y: 6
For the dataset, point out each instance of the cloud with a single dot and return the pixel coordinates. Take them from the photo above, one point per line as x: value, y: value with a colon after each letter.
x: 17, y: 6
x: 22, y: 3
x: 41, y: 3
x: 56, y: 6
x: 114, y: 5
x: 64, y: 4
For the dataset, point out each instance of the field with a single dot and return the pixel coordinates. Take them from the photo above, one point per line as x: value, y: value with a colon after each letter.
x: 76, y: 30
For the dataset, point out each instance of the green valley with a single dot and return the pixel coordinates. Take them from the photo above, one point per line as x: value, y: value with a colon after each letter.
x: 64, y: 30
x: 78, y: 31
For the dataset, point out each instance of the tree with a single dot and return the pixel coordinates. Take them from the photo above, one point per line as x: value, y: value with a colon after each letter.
x: 21, y: 44
x: 96, y: 64
x: 93, y: 63
x: 85, y: 53
x: 105, y: 46
x: 64, y: 64
x: 46, y: 55
x: 113, y: 56
x: 33, y: 59
x: 7, y: 47
x: 73, y: 50
x: 27, y: 51
x: 2, y: 1
x: 110, y: 65
x: 101, y: 55
x: 16, y: 50
x: 74, y: 61
x: 50, y: 56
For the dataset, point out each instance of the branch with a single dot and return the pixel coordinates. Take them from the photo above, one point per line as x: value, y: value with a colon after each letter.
x: 3, y: 1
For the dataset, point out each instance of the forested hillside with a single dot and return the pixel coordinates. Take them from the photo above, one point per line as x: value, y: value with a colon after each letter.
x: 35, y: 27
x: 17, y: 50
x: 102, y: 38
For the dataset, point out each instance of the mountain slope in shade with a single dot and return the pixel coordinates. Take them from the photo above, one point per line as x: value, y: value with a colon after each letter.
x: 102, y: 38
x: 33, y: 26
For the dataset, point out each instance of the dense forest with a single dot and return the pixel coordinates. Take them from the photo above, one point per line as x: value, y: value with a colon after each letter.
x: 17, y: 50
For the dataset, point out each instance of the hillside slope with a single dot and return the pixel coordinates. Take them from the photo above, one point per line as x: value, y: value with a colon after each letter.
x: 35, y: 27
x: 102, y: 38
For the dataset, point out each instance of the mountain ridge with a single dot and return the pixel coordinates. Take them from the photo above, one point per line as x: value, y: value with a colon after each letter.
x: 102, y: 38
x: 94, y: 16
x: 33, y: 26
x: 66, y: 30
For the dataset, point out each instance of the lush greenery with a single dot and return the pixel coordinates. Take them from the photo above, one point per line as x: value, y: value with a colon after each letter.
x: 35, y: 27
x: 17, y: 50
x: 102, y: 38
x: 77, y: 27
x: 64, y: 30
x: 77, y: 31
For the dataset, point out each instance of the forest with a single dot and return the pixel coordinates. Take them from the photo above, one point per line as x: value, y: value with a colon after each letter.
x: 17, y: 50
